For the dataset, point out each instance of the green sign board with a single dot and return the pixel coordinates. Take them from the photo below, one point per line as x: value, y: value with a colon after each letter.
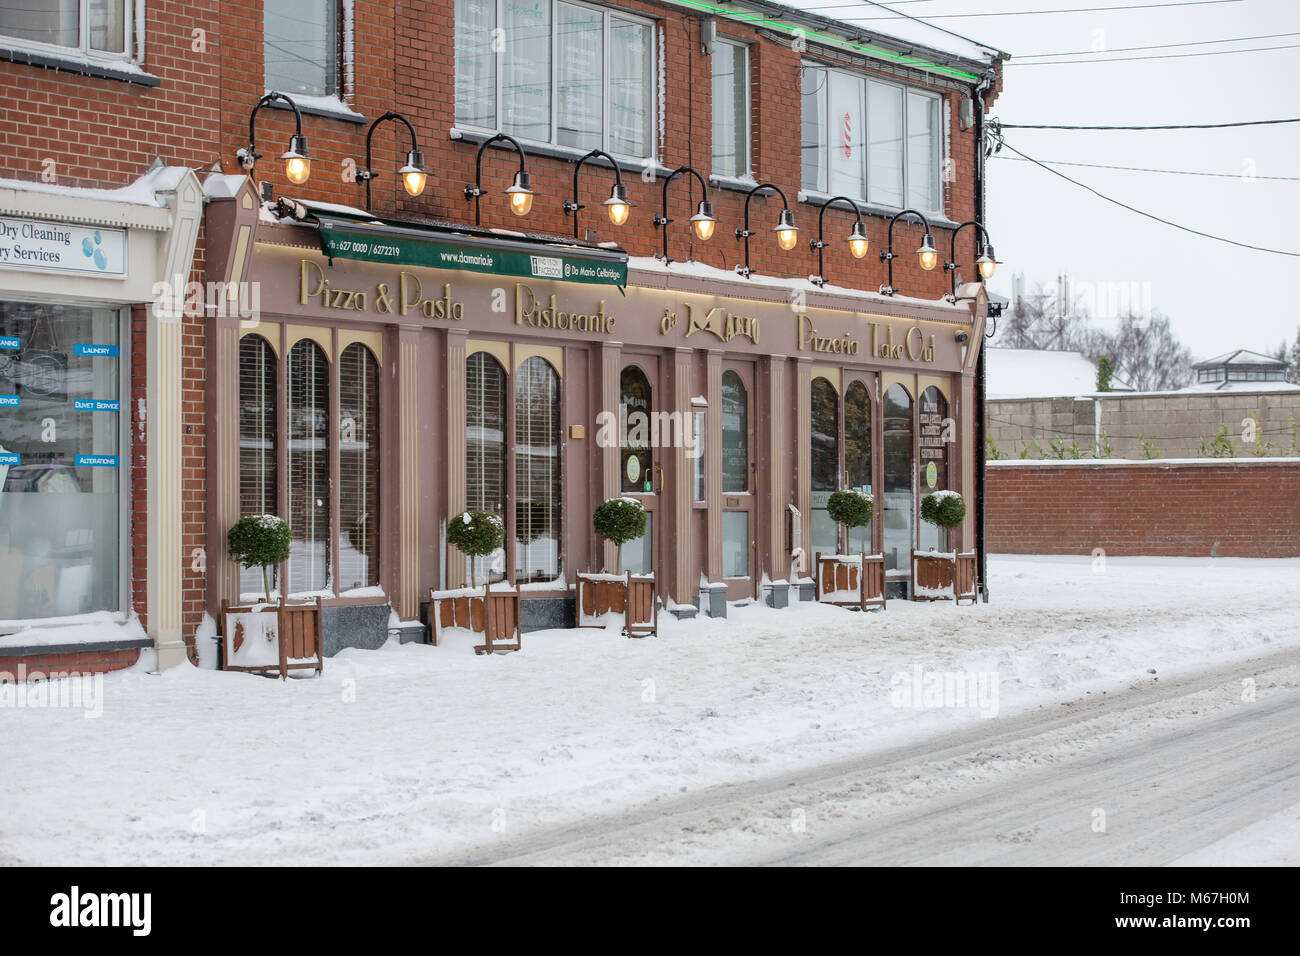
x: 337, y: 241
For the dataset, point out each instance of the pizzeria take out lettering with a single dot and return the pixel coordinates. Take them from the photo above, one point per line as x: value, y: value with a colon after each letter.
x: 914, y: 346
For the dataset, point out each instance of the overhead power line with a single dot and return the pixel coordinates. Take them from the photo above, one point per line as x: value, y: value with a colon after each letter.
x: 1162, y: 56
x: 1146, y: 169
x: 1016, y: 13
x: 1158, y: 46
x: 1148, y: 215
x: 1271, y: 122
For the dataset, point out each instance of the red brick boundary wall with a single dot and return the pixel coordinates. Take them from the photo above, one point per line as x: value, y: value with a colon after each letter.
x: 1247, y: 508
x: 66, y: 664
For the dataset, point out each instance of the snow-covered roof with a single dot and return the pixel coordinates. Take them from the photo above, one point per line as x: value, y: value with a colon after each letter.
x: 1241, y: 357
x: 867, y: 20
x: 1037, y: 373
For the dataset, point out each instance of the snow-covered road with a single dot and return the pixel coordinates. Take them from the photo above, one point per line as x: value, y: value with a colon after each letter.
x: 1159, y: 774
x: 423, y: 754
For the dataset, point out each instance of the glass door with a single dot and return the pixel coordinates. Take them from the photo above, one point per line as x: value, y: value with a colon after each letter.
x: 738, y: 482
x: 640, y: 455
x: 899, y: 503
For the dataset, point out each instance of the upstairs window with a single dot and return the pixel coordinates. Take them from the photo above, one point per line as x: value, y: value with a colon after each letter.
x: 300, y: 46
x: 872, y: 141
x: 555, y: 72
x: 730, y: 109
x: 90, y: 26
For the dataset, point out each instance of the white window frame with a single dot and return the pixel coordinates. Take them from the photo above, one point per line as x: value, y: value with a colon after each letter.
x: 904, y: 89
x: 651, y: 80
x: 747, y: 77
x: 83, y: 49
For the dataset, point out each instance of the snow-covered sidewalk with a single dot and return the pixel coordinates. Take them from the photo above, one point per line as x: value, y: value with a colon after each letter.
x: 413, y: 751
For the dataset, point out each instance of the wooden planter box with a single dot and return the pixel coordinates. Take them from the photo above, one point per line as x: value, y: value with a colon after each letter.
x: 494, y: 614
x: 263, y: 639
x: 837, y: 576
x: 967, y: 585
x: 934, y: 574
x: 632, y: 595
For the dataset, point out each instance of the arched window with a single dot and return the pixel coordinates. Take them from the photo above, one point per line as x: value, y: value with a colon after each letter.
x: 309, y: 468
x: 635, y: 456
x: 825, y: 463
x: 933, y: 457
x: 358, y: 468
x: 257, y: 442
x: 485, y: 450
x: 899, y: 503
x: 735, y: 434
x: 537, y: 472
x: 857, y: 454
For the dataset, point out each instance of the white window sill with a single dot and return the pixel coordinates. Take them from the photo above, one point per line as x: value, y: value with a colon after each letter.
x: 739, y: 183
x: 626, y: 164
x: 937, y: 219
x: 330, y: 107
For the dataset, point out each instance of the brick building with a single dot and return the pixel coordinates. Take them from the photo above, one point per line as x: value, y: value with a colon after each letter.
x: 120, y: 139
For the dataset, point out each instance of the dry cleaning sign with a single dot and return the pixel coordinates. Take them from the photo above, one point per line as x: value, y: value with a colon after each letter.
x: 58, y: 247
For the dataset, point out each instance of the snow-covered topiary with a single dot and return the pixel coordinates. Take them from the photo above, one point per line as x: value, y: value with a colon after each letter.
x: 851, y: 508
x: 259, y: 541
x: 944, y: 509
x: 476, y: 533
x: 619, y: 520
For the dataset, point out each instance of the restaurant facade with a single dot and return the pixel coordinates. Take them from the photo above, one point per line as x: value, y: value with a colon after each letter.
x: 553, y: 376
x: 369, y: 359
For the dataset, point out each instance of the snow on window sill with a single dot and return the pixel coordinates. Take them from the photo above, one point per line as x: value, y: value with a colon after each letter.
x: 625, y: 163
x: 121, y: 69
x: 937, y: 219
x: 330, y: 107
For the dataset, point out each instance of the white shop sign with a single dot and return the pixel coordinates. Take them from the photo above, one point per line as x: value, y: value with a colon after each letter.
x: 44, y: 246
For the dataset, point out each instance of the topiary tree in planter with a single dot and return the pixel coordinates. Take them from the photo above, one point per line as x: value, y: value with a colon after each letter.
x: 943, y: 509
x: 476, y: 534
x: 853, y: 509
x: 259, y: 541
x: 619, y: 520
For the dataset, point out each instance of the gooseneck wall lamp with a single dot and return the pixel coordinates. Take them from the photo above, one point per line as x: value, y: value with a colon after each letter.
x: 986, y: 264
x: 617, y: 205
x: 414, y: 175
x: 297, y: 164
x: 520, y: 192
x: 857, y: 238
x: 787, y: 233
x: 926, y: 256
x: 702, y: 222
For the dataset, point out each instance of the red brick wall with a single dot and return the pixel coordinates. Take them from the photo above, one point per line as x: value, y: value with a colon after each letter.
x: 80, y: 662
x: 1220, y: 509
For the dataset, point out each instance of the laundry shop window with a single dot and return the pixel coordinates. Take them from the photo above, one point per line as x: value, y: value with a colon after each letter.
x: 555, y: 72
x: 100, y: 29
x: 61, y: 436
x: 300, y: 46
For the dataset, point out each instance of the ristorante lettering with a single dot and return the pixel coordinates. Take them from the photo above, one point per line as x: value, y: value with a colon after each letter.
x: 529, y: 310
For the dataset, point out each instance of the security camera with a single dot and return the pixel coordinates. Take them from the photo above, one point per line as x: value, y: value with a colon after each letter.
x: 962, y: 336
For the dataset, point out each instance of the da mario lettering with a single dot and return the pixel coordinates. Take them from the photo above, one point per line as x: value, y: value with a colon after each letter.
x: 725, y: 325
x: 529, y: 310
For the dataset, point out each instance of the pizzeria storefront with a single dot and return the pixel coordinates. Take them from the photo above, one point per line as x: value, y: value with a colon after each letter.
x: 398, y: 374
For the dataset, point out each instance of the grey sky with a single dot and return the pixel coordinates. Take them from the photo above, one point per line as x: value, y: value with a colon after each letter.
x: 1218, y: 297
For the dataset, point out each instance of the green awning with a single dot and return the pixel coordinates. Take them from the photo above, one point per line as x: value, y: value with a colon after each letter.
x: 433, y: 247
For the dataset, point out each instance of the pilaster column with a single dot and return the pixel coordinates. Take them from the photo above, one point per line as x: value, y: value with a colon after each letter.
x: 713, y: 480
x: 453, y: 560
x: 778, y: 466
x: 681, y: 552
x: 611, y: 363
